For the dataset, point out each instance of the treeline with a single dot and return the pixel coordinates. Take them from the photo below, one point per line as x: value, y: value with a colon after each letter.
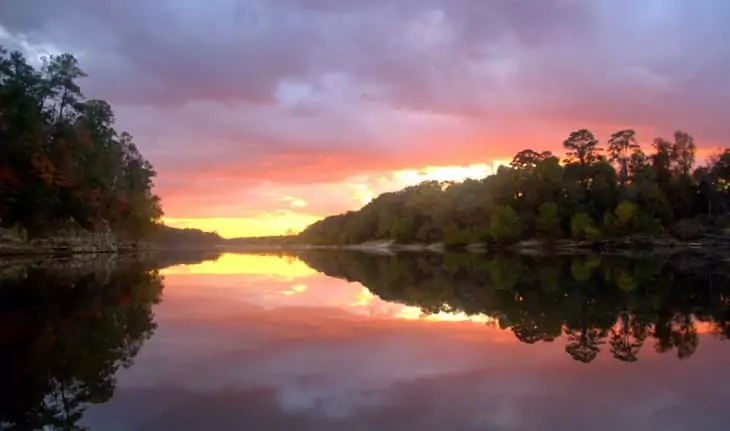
x: 263, y: 241
x: 593, y: 194
x: 182, y: 238
x: 62, y: 163
x: 593, y: 304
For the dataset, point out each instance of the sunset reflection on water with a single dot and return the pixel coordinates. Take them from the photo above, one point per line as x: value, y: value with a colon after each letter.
x: 288, y: 281
x: 266, y: 342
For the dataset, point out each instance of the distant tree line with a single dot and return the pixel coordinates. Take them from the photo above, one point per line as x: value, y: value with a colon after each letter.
x: 181, y: 238
x: 593, y: 194
x: 593, y: 304
x: 62, y: 163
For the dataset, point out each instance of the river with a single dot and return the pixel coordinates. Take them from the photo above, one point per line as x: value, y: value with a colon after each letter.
x: 325, y: 340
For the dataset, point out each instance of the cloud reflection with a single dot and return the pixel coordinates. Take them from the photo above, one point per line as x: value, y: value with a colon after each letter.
x: 233, y: 352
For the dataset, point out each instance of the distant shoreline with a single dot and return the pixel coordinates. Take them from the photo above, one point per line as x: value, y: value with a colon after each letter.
x: 51, y: 248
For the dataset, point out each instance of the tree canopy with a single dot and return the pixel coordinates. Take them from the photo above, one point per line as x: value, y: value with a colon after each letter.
x: 61, y: 160
x: 591, y: 195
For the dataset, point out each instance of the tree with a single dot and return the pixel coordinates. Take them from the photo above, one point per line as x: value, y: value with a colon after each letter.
x: 62, y: 163
x: 528, y: 159
x: 648, y: 194
x: 582, y: 147
x: 661, y: 161
x: 621, y: 146
x: 683, y: 153
x: 626, y: 213
x: 504, y: 225
x: 583, y: 228
x: 548, y: 220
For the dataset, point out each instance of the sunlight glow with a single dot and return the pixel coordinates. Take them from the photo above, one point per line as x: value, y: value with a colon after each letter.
x: 297, y: 288
x: 365, y: 298
x: 448, y: 173
x: 362, y: 190
x: 266, y: 224
x: 415, y: 313
x: 251, y: 264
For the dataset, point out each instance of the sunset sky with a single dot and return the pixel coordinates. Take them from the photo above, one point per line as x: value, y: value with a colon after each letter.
x: 264, y: 115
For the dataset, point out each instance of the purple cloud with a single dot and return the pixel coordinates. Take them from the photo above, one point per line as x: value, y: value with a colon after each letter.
x: 384, y: 84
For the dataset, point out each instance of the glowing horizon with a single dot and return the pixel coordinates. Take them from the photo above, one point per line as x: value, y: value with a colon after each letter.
x: 360, y: 192
x: 258, y: 130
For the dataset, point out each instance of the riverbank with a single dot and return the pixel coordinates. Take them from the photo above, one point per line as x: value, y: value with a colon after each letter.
x: 663, y: 244
x: 103, y: 244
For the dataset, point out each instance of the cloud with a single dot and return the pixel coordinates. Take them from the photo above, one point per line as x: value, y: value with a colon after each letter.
x: 230, y: 94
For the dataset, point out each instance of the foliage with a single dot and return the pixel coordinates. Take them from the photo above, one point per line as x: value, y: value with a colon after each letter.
x: 583, y: 228
x: 504, y: 225
x: 591, y: 195
x: 61, y: 160
x: 548, y: 220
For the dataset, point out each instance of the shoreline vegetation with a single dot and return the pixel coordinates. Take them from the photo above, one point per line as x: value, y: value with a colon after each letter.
x: 597, y: 199
x: 68, y: 179
x: 70, y: 183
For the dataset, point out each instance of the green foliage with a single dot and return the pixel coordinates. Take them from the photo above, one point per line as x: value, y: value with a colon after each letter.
x: 61, y: 160
x: 504, y: 225
x: 455, y: 236
x: 646, y: 224
x: 610, y: 226
x: 586, y: 198
x: 626, y: 213
x: 548, y: 220
x: 583, y: 228
x: 626, y: 282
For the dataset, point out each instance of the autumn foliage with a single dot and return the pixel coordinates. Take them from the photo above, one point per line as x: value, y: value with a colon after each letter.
x: 61, y: 160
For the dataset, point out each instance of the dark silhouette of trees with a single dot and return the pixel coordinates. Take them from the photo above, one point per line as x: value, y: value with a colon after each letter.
x: 593, y: 304
x: 65, y: 333
x: 590, y: 196
x: 621, y: 146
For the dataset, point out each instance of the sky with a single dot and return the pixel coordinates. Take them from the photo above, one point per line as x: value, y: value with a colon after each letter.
x: 262, y: 116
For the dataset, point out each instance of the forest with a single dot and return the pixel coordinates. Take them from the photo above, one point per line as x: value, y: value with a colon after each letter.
x: 593, y: 304
x: 594, y: 194
x: 62, y: 163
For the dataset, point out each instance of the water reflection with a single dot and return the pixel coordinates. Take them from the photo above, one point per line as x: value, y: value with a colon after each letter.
x: 65, y: 330
x: 459, y: 342
x: 597, y: 303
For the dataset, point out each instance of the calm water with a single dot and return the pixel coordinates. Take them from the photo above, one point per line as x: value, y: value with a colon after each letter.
x: 327, y: 341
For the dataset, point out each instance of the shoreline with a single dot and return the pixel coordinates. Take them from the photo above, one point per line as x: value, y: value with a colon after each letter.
x: 565, y: 246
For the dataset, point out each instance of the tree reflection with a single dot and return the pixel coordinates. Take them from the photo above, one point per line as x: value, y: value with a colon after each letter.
x: 627, y: 337
x: 595, y: 303
x: 64, y: 333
